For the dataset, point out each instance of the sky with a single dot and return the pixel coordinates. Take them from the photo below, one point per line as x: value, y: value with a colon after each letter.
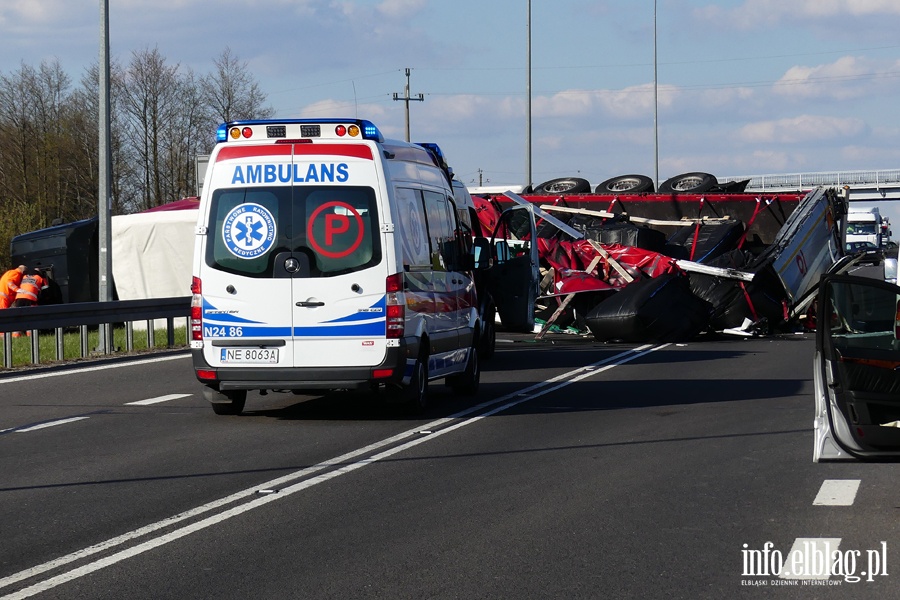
x: 744, y: 87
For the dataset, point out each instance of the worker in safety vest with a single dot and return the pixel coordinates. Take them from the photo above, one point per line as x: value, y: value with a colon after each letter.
x: 29, y: 289
x: 9, y: 285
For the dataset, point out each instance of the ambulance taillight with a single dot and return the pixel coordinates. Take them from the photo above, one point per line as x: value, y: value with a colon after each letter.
x: 396, y: 307
x: 196, y: 310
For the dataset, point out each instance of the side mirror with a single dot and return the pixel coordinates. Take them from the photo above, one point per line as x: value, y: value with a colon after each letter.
x: 482, y: 254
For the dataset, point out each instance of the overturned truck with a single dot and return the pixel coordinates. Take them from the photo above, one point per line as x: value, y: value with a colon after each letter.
x: 658, y: 267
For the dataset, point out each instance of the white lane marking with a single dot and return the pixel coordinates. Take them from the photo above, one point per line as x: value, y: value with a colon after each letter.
x: 340, y: 466
x: 810, y: 558
x: 50, y: 424
x: 76, y: 371
x: 837, y: 492
x: 157, y: 400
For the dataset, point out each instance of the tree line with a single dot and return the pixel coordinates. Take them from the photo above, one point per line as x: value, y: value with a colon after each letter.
x: 162, y: 116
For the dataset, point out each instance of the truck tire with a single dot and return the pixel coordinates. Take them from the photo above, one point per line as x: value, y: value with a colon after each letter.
x: 626, y: 184
x: 689, y: 183
x: 563, y: 185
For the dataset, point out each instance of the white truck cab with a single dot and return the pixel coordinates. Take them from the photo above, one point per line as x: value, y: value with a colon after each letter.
x: 327, y: 257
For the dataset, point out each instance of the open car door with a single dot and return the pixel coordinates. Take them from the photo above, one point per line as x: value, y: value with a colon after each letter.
x: 857, y: 369
x: 513, y: 280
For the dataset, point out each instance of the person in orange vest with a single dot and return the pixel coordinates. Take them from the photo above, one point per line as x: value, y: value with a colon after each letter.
x: 9, y: 285
x: 30, y: 289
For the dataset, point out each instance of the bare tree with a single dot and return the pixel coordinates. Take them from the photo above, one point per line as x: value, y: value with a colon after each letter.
x: 149, y: 105
x: 231, y: 91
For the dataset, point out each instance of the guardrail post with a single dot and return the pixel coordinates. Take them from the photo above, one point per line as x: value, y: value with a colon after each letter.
x: 60, y: 344
x: 35, y: 347
x: 170, y: 332
x: 7, y: 350
x: 83, y: 330
x: 106, y: 331
x: 151, y: 335
x: 129, y: 336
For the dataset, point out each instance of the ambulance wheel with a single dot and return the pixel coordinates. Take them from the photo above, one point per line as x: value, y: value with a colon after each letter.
x: 466, y: 383
x: 226, y: 403
x: 415, y: 395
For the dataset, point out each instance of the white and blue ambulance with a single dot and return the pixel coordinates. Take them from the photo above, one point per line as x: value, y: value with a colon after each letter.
x: 327, y: 257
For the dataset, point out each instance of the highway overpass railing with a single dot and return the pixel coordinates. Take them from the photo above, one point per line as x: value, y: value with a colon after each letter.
x: 103, y: 316
x: 864, y: 185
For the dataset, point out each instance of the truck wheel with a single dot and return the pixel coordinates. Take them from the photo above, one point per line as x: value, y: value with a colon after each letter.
x: 564, y: 185
x: 466, y: 383
x: 689, y: 183
x: 226, y: 403
x: 626, y: 184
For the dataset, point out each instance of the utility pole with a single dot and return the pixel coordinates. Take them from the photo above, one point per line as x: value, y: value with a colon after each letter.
x: 655, y: 105
x: 105, y: 176
x: 406, y: 98
x: 528, y: 173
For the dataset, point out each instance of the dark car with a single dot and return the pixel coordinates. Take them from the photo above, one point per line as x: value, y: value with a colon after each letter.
x: 872, y: 254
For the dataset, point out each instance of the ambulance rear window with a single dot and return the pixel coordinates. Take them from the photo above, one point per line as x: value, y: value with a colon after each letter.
x: 329, y: 230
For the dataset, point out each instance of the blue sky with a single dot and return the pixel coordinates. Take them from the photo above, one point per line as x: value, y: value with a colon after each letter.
x: 745, y: 86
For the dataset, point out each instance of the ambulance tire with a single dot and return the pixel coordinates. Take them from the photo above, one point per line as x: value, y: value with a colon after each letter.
x: 466, y: 383
x: 563, y: 185
x: 415, y: 395
x: 226, y: 403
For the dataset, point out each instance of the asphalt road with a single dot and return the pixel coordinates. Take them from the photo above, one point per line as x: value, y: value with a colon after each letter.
x: 581, y: 470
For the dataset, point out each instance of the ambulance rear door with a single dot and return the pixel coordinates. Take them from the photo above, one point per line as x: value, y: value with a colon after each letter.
x: 247, y: 294
x: 338, y: 256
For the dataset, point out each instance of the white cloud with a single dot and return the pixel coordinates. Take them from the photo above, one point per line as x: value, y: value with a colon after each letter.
x: 839, y: 80
x: 400, y: 9
x: 29, y: 13
x: 753, y: 13
x: 802, y: 129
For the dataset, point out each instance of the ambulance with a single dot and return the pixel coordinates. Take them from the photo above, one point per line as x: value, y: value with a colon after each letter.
x: 327, y: 257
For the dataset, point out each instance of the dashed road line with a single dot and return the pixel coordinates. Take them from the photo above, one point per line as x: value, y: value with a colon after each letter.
x: 157, y: 400
x: 837, y: 492
x: 49, y: 424
x: 810, y: 558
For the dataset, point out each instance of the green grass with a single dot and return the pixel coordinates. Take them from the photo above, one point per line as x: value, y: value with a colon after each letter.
x: 72, y: 349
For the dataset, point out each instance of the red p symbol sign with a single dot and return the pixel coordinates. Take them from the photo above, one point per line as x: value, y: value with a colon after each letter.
x: 335, y: 225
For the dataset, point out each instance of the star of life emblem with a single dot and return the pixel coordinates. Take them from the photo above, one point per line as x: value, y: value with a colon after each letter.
x: 249, y: 230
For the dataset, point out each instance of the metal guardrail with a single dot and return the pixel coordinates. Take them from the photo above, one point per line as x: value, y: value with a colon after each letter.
x: 82, y: 315
x: 882, y: 180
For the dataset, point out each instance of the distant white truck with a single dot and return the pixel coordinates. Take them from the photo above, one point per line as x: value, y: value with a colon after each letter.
x: 864, y: 224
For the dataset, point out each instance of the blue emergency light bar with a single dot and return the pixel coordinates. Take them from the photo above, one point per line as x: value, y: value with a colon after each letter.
x: 368, y: 130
